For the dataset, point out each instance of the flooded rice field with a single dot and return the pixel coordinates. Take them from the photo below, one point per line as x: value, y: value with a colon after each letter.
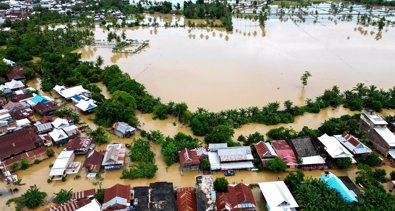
x: 252, y: 65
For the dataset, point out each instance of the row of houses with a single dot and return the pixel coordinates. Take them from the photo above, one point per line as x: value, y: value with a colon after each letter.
x: 79, y: 96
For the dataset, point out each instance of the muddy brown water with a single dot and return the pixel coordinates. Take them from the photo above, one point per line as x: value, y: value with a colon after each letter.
x: 216, y: 70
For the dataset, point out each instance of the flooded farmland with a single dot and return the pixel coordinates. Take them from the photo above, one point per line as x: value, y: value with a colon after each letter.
x: 251, y: 66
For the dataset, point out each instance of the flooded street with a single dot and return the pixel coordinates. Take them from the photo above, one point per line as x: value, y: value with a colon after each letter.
x: 216, y: 70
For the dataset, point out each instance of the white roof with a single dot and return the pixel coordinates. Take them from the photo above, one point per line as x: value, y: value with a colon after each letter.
x: 85, y: 105
x: 14, y: 84
x: 215, y: 164
x: 66, y: 154
x: 375, y: 118
x: 277, y: 196
x: 69, y: 92
x: 360, y: 148
x: 392, y: 153
x: 333, y: 147
x: 60, y: 123
x: 22, y: 122
x: 56, y: 172
x: 9, y: 62
x: 69, y: 128
x: 237, y: 165
x: 215, y: 147
x: 235, y: 154
x: 312, y: 160
x: 92, y: 206
x: 58, y: 135
x: 61, y: 163
x: 386, y: 134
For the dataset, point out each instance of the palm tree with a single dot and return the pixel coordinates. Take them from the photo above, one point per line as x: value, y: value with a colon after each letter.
x: 306, y: 75
x: 361, y: 89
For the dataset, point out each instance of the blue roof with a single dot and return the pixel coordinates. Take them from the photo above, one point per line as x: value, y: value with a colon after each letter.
x: 335, y: 183
x: 123, y: 127
x: 77, y: 98
x: 39, y: 99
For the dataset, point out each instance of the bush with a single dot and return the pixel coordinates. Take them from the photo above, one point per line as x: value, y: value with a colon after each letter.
x: 221, y: 184
x: 37, y: 161
x: 343, y: 163
x: 24, y: 163
x: 276, y: 165
x: 219, y: 134
x: 62, y: 196
x: 205, y: 165
x: 14, y: 166
x: 63, y: 179
x: 380, y: 175
x: 373, y: 159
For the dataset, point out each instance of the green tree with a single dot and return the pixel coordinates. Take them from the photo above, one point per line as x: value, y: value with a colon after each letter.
x: 293, y: 180
x: 14, y: 166
x: 392, y: 175
x: 343, y: 163
x: 62, y: 196
x: 275, y: 165
x: 304, y: 78
x: 99, y: 61
x: 99, y: 135
x: 219, y: 134
x: 24, y: 163
x: 32, y: 198
x: 380, y: 175
x: 373, y: 159
x: 221, y: 184
x: 205, y: 165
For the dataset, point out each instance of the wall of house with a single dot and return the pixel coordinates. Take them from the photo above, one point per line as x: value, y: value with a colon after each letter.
x: 378, y: 142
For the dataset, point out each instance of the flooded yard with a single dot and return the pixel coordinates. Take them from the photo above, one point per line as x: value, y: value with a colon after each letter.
x: 251, y: 66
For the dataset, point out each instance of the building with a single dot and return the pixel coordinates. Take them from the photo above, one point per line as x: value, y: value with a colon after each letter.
x: 265, y: 152
x: 335, y: 183
x: 189, y: 160
x: 205, y: 194
x: 86, y: 106
x: 375, y: 128
x: 238, y: 198
x: 231, y: 158
x: 116, y: 198
x: 333, y: 148
x: 85, y: 194
x: 32, y: 155
x: 67, y: 93
x: 284, y: 151
x: 277, y: 196
x: 186, y: 199
x: 159, y: 196
x: 40, y: 99
x: 14, y: 85
x: 353, y: 144
x: 58, y: 136
x: 93, y: 163
x: 114, y: 157
x: 59, y: 123
x: 45, y: 109
x: 310, y: 158
x: 18, y: 142
x: 16, y: 73
x: 58, y: 170
x: 80, y: 145
x: 123, y: 130
x: 71, y: 131
x: 43, y: 128
x: 78, y: 205
x: 141, y: 198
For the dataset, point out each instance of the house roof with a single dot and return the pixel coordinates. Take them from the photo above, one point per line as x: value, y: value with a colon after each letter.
x: 61, y: 163
x: 94, y: 160
x: 123, y: 127
x: 70, y: 92
x: 277, y: 196
x: 115, y: 154
x: 352, y: 144
x: 386, y: 135
x: 59, y: 123
x: 46, y: 119
x: 16, y: 73
x: 333, y: 147
x: 188, y: 157
x: 44, y: 108
x: 216, y: 146
x: 304, y: 147
x: 83, y: 194
x: 231, y: 154
x: 79, y: 143
x: 44, y: 127
x: 238, y: 196
x: 78, y: 205
x: 162, y: 196
x: 14, y: 84
x: 39, y: 99
x: 57, y: 135
x: 374, y: 118
x: 284, y: 151
x: 141, y: 198
x: 116, y: 196
x: 17, y: 98
x: 84, y: 105
x: 29, y: 155
x: 10, y: 106
x: 335, y: 183
x: 205, y: 194
x: 17, y: 142
x: 186, y: 199
x: 264, y: 150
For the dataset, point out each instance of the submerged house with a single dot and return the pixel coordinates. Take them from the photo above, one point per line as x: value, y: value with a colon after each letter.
x: 80, y: 145
x: 114, y: 157
x: 58, y: 170
x: 123, y: 130
x: 277, y: 196
x: 310, y: 158
x: 86, y: 106
x: 375, y: 128
x: 93, y: 163
x: 14, y: 85
x: 333, y: 148
x: 16, y: 73
x: 205, y: 194
x: 335, y: 183
x: 284, y: 151
x: 238, y: 198
x: 67, y: 93
x: 58, y: 136
x: 18, y: 142
x: 159, y: 196
x: 265, y: 152
x: 186, y: 199
x: 116, y: 198
x: 353, y: 144
x: 231, y: 158
x: 189, y: 160
x: 45, y: 109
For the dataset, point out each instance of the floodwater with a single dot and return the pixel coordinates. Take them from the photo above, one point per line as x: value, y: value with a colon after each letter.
x: 252, y: 66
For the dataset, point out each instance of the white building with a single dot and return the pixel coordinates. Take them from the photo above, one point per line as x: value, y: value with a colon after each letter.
x: 58, y: 136
x: 58, y: 169
x: 277, y: 196
x: 231, y: 158
x: 67, y: 93
x: 334, y: 148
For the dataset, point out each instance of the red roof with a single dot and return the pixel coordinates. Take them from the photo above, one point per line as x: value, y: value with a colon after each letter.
x: 350, y: 138
x: 17, y: 142
x: 17, y: 98
x: 16, y: 73
x: 71, y: 205
x: 83, y: 194
x: 29, y: 155
x: 45, y: 108
x: 118, y: 190
x: 284, y: 151
x: 186, y: 199
x: 188, y: 157
x: 239, y: 195
x: 93, y: 160
x: 46, y: 119
x: 79, y: 143
x: 263, y: 151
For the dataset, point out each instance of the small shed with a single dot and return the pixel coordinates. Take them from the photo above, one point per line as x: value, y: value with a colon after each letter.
x: 123, y: 130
